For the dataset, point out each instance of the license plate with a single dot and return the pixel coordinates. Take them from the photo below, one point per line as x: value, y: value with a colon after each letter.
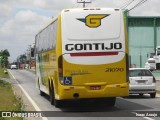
x: 95, y: 87
x: 141, y: 81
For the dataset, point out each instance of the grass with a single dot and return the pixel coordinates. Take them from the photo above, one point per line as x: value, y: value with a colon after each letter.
x: 2, y: 74
x: 8, y: 101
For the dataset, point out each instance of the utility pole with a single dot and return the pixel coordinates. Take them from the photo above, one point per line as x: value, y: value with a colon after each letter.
x: 84, y: 2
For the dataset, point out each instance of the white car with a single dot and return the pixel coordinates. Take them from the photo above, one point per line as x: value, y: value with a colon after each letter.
x: 142, y: 82
x: 13, y: 67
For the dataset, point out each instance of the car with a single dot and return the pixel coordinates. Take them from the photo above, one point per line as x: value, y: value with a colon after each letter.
x: 151, y: 64
x: 142, y: 81
x: 13, y: 67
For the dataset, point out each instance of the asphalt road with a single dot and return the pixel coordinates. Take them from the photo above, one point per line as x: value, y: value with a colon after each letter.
x: 125, y: 108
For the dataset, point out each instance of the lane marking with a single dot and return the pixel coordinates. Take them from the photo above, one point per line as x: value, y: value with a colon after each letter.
x: 29, y: 98
x: 148, y: 118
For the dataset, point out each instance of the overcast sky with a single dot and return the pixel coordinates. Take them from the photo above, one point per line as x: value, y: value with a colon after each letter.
x: 20, y: 20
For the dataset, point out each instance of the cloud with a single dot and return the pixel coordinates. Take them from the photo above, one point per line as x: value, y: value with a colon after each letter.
x: 23, y: 24
x: 5, y: 10
x: 20, y: 31
x: 107, y: 3
x: 46, y: 5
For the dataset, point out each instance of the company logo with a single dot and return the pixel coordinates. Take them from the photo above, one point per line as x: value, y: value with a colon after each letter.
x: 93, y: 20
x: 93, y: 46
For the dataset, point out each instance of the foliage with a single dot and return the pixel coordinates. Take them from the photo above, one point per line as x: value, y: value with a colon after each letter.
x: 4, y: 54
x: 22, y: 58
x: 2, y: 74
x: 8, y: 101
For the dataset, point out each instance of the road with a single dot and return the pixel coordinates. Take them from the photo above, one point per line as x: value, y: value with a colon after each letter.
x: 125, y: 108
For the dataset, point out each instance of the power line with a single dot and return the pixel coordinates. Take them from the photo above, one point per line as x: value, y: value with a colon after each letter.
x: 129, y: 4
x: 138, y: 4
x: 124, y: 5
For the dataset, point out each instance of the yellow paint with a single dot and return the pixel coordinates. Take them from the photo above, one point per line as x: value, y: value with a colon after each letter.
x: 94, y: 20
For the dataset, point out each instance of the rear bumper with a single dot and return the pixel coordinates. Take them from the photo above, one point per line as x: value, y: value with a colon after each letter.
x: 137, y: 89
x: 116, y: 90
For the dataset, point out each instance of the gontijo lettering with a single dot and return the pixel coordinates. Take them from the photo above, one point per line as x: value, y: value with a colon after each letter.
x: 93, y: 46
x: 93, y: 20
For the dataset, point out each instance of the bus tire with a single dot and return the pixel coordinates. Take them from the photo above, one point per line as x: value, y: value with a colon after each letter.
x: 40, y: 92
x: 153, y: 95
x: 141, y: 94
x: 57, y: 103
x: 52, y: 96
x: 111, y: 101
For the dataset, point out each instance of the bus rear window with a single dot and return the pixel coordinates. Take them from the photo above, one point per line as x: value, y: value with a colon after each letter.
x: 137, y: 73
x: 77, y: 28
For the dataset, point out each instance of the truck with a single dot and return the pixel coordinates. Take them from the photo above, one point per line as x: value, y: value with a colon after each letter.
x: 157, y: 57
x: 153, y: 62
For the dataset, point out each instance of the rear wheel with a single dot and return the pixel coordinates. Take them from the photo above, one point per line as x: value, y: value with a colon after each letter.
x: 53, y: 101
x: 141, y: 94
x: 52, y: 96
x: 57, y: 103
x: 153, y: 95
x: 111, y: 101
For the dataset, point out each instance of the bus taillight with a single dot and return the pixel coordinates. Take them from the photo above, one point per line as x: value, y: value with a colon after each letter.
x: 60, y: 69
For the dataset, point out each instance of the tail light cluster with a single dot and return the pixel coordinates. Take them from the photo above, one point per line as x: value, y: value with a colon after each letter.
x: 127, y: 68
x: 154, y: 80
x: 60, y: 69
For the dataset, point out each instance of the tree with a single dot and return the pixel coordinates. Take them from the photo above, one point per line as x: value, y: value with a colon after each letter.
x: 23, y: 58
x: 4, y: 54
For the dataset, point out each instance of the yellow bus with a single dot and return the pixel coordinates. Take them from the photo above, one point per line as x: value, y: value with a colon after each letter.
x: 83, y: 54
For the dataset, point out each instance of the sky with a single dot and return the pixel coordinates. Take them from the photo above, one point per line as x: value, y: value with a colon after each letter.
x: 20, y: 20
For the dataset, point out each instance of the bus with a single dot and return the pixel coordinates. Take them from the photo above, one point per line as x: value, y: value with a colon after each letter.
x: 83, y: 54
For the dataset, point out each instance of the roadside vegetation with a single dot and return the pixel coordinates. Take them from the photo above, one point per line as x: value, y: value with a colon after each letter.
x: 2, y: 74
x: 4, y: 54
x: 8, y: 101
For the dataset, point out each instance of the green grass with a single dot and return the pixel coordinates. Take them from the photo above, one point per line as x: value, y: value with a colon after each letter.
x: 8, y: 101
x: 2, y: 74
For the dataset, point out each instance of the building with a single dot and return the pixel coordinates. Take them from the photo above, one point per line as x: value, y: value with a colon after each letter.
x: 144, y: 36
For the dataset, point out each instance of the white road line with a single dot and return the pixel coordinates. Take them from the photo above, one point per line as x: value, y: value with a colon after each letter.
x: 29, y: 98
x: 148, y: 118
